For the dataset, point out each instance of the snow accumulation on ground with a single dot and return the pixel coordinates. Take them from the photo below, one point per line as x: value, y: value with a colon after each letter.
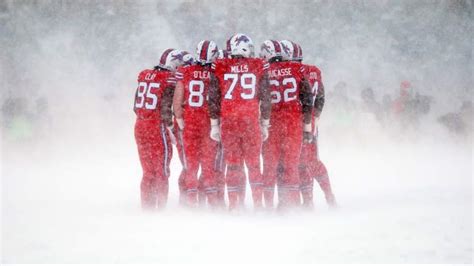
x: 405, y: 203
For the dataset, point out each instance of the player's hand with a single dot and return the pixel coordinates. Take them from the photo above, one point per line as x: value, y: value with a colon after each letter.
x: 264, y: 125
x: 307, y: 136
x: 215, y: 130
x: 316, y: 122
x: 180, y: 123
x: 172, y: 137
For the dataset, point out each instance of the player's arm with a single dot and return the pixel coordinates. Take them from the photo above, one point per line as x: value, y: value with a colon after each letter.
x: 265, y: 106
x: 166, y: 103
x: 135, y: 101
x: 136, y: 94
x: 178, y: 104
x: 214, y: 98
x: 214, y: 106
x: 306, y: 101
x: 265, y: 98
x: 320, y: 98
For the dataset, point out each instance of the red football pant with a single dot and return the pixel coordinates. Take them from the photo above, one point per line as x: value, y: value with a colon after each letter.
x: 242, y: 141
x: 283, y: 147
x: 312, y: 167
x: 180, y: 148
x: 219, y: 172
x: 199, y: 151
x: 154, y: 150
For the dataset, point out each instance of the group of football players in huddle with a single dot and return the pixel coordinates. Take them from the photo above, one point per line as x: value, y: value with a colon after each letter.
x: 226, y: 108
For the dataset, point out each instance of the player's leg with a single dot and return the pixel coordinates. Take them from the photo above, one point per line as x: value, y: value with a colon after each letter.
x: 291, y: 151
x: 322, y: 178
x: 252, y: 145
x: 219, y: 173
x: 270, y: 154
x: 191, y: 156
x: 208, y: 177
x: 232, y: 156
x: 242, y: 183
x: 162, y: 153
x: 144, y: 146
x: 306, y: 178
x: 182, y: 191
x: 180, y: 148
x: 279, y: 175
x: 321, y: 175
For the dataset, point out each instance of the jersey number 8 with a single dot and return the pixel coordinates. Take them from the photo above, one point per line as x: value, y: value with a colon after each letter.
x: 196, y: 93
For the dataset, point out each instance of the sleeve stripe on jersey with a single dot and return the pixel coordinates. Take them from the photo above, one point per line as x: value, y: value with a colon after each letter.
x: 171, y: 80
x: 213, y: 66
x: 266, y: 66
x: 178, y: 76
x: 302, y: 69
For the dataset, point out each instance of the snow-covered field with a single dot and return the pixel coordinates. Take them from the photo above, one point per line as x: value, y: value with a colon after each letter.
x: 80, y: 204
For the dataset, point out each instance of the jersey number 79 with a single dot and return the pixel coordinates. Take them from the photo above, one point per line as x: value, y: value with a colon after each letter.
x: 247, y: 83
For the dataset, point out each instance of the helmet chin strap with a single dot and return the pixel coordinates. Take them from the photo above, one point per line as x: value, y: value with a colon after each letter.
x: 159, y: 68
x: 275, y: 59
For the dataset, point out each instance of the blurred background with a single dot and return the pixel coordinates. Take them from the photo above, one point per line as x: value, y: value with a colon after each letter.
x: 403, y: 64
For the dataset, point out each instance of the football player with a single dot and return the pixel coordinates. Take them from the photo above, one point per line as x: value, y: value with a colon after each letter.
x: 239, y: 105
x: 291, y: 123
x: 311, y: 165
x: 240, y: 172
x: 152, y: 138
x: 187, y: 59
x: 192, y: 116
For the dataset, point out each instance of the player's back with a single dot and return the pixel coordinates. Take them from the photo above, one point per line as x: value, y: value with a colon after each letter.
x: 151, y: 86
x: 285, y: 80
x: 196, y: 80
x: 239, y: 80
x: 313, y: 76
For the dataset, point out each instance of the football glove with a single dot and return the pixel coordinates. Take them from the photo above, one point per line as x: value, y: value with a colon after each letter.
x: 215, y: 130
x: 264, y: 125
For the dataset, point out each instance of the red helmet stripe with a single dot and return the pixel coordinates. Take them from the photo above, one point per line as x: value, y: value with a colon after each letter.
x: 204, y: 51
x: 228, y: 44
x: 295, y: 50
x: 164, y: 56
x: 277, y: 46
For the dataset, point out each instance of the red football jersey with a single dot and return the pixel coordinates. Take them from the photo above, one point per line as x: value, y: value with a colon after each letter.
x: 239, y: 80
x: 285, y: 85
x: 151, y: 86
x: 313, y: 76
x: 196, y: 79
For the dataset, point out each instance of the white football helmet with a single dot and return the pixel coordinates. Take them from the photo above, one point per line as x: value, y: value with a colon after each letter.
x: 188, y: 59
x: 207, y: 52
x: 288, y: 49
x: 270, y: 49
x: 171, y: 59
x: 298, y: 53
x: 241, y: 44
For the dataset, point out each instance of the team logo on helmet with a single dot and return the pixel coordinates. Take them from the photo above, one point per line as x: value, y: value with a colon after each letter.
x: 266, y: 48
x: 241, y: 38
x: 190, y: 60
x: 215, y: 52
x: 178, y: 56
x: 285, y: 48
